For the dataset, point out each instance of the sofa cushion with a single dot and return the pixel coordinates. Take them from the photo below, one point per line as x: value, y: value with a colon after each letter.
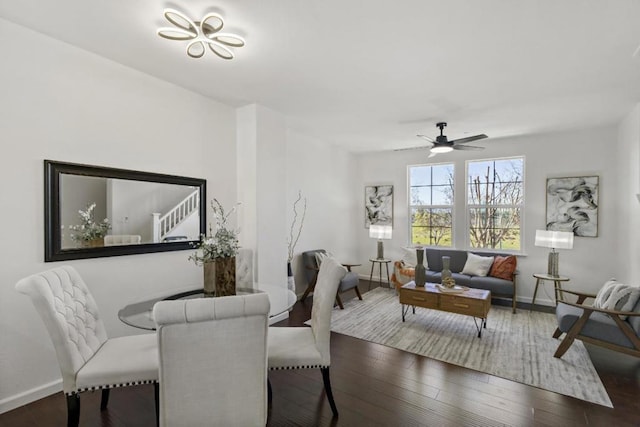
x: 410, y: 257
x: 495, y: 285
x: 634, y: 321
x: 503, y: 267
x: 599, y: 326
x: 477, y: 265
x: 433, y: 259
x: 457, y: 259
x: 617, y: 296
x: 349, y: 281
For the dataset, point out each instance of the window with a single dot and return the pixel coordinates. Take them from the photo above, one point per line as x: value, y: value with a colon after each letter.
x: 431, y: 204
x: 495, y: 198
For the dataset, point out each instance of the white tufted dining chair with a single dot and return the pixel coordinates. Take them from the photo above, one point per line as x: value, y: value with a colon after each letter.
x: 244, y: 268
x: 304, y: 347
x: 213, y: 361
x: 88, y: 359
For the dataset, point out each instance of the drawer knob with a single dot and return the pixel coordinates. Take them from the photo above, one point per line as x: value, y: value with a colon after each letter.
x: 461, y: 305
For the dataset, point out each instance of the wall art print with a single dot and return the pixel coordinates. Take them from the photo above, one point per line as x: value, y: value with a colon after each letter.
x: 572, y: 205
x: 378, y: 205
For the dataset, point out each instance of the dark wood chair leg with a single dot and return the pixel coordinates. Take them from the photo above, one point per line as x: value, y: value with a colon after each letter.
x: 327, y: 390
x: 307, y: 292
x: 156, y: 396
x: 339, y: 301
x: 73, y: 410
x: 572, y: 333
x: 269, y: 392
x: 104, y: 400
x: 358, y: 293
x: 557, y: 333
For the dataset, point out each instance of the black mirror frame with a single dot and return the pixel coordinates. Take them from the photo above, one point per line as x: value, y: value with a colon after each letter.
x: 52, y: 237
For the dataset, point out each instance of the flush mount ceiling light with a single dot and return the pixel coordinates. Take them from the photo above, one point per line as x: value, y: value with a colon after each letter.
x: 200, y: 34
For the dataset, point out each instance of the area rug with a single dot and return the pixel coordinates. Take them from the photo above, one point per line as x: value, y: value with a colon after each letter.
x: 517, y: 347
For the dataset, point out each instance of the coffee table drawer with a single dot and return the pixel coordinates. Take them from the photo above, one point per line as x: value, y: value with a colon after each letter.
x: 419, y: 298
x: 468, y: 306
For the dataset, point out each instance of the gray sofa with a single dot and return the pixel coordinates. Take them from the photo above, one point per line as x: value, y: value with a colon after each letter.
x: 498, y: 287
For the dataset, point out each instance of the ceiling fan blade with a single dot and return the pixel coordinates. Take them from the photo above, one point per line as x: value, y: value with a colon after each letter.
x: 411, y: 148
x: 467, y: 147
x: 469, y: 139
x: 426, y: 137
x: 431, y: 155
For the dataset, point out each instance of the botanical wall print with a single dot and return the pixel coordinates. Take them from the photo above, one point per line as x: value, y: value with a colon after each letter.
x: 378, y: 205
x: 572, y: 205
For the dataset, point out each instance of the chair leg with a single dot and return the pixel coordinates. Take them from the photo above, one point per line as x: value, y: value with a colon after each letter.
x: 339, y: 301
x: 557, y: 333
x: 307, y: 292
x: 156, y: 396
x: 358, y: 293
x: 73, y: 410
x: 104, y: 401
x: 269, y: 392
x: 327, y: 390
x: 572, y: 333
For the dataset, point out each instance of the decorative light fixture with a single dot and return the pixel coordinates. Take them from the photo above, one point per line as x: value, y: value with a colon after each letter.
x: 554, y: 240
x: 380, y: 232
x: 200, y: 34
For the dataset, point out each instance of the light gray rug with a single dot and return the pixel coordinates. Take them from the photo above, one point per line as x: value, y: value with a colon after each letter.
x: 517, y: 347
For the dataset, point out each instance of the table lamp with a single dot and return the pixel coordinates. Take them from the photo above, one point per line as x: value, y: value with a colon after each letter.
x: 554, y: 240
x: 380, y: 232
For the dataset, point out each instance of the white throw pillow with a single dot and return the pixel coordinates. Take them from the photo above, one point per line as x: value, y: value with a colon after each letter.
x: 477, y: 265
x: 617, y: 296
x: 410, y: 257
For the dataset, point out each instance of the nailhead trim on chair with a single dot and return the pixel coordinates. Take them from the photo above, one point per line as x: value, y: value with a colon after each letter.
x: 281, y: 368
x: 100, y: 387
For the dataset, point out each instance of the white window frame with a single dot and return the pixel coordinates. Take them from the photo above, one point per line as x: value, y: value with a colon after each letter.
x: 411, y: 206
x: 469, y: 206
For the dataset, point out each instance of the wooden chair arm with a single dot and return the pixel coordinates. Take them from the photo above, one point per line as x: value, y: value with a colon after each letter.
x: 308, y: 267
x: 580, y: 294
x: 601, y: 310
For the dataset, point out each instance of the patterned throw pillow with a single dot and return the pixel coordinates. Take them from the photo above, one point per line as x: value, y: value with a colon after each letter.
x: 617, y: 296
x: 503, y: 267
x: 477, y: 265
x: 410, y: 257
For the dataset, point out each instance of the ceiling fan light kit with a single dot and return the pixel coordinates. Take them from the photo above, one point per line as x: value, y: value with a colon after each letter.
x: 200, y: 34
x: 442, y: 145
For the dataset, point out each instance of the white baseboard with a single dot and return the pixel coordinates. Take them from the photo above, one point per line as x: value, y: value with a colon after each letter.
x: 20, y: 399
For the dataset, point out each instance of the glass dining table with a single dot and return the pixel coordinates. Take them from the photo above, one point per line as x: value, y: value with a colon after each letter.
x: 140, y: 314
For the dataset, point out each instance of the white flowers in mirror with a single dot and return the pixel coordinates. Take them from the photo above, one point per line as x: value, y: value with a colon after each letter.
x: 89, y: 230
x: 219, y: 243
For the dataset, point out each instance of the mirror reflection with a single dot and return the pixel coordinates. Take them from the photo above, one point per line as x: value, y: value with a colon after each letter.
x: 97, y: 211
x: 94, y: 211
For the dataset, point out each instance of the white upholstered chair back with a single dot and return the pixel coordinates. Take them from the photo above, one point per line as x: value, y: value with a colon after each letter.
x: 213, y: 361
x: 244, y: 268
x: 70, y: 315
x: 122, y: 239
x: 329, y: 276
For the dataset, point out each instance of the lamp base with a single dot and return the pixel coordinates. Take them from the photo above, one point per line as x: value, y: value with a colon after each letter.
x: 552, y: 266
x: 380, y: 250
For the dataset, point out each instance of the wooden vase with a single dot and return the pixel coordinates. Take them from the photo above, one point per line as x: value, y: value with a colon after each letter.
x: 220, y: 277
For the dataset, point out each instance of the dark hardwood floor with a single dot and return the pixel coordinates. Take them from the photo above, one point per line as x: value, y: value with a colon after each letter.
x: 374, y: 385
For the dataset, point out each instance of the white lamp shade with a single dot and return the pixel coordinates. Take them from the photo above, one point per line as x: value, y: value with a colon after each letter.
x: 554, y: 239
x: 380, y: 231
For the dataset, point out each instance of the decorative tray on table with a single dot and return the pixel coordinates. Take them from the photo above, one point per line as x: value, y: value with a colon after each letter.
x: 454, y: 290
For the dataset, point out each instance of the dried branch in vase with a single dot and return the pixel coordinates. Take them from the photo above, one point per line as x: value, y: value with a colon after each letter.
x: 296, y: 225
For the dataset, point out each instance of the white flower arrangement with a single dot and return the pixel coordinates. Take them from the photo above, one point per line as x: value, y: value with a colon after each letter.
x: 223, y: 243
x: 89, y: 229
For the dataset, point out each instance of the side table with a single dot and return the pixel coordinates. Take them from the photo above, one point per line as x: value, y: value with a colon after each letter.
x: 379, y: 261
x: 557, y: 285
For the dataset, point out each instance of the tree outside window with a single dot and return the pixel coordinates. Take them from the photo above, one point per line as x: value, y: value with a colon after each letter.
x: 431, y: 204
x: 495, y: 200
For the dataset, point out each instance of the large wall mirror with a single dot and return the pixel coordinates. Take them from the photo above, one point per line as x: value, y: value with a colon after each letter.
x: 95, y: 211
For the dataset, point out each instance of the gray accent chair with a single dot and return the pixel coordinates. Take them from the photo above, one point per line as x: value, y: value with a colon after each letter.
x: 311, y: 268
x: 605, y: 328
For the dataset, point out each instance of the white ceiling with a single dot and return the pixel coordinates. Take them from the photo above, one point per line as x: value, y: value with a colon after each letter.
x: 368, y: 75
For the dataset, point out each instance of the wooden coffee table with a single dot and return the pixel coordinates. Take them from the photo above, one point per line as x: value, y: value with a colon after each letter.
x: 472, y: 302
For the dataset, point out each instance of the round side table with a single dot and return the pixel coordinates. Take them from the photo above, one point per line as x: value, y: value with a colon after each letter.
x: 557, y: 285
x: 379, y: 261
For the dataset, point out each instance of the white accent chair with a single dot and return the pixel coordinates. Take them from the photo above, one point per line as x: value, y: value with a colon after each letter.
x: 244, y: 268
x: 213, y: 361
x: 122, y: 239
x: 303, y: 347
x: 88, y: 359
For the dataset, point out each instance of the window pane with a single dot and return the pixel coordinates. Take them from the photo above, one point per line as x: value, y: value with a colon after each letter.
x: 431, y: 227
x: 495, y: 228
x: 442, y: 195
x: 420, y: 175
x: 442, y: 174
x: 420, y: 195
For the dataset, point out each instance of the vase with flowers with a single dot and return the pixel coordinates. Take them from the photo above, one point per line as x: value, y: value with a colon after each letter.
x: 216, y: 252
x: 90, y: 233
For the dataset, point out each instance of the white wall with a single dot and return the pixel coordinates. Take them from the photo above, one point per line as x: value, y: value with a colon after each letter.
x: 587, y: 152
x: 326, y: 176
x: 62, y: 103
x: 628, y: 246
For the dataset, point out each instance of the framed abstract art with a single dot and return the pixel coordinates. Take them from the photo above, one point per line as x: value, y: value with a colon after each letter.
x: 572, y: 205
x: 378, y: 205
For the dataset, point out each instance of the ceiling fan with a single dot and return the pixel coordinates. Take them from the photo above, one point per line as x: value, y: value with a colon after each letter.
x: 442, y: 145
